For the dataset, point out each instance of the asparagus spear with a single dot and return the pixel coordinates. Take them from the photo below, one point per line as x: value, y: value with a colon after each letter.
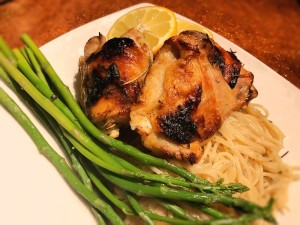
x: 6, y: 50
x: 43, y: 87
x: 36, y: 65
x: 139, y: 210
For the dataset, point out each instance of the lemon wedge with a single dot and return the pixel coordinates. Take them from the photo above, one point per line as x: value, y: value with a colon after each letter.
x: 183, y: 25
x: 155, y: 22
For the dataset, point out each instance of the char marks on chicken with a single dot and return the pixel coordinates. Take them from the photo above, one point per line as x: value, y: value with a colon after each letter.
x: 191, y: 88
x: 112, y: 73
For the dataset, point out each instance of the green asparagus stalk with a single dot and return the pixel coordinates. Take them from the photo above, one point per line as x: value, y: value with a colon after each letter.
x: 108, y: 194
x: 58, y: 161
x: 6, y: 51
x: 212, y: 212
x: 43, y: 87
x: 180, y: 213
x: 76, y: 165
x: 18, y: 55
x: 139, y: 210
x: 176, y: 210
x: 148, y: 217
x: 36, y: 65
x: 100, y: 220
x: 25, y: 55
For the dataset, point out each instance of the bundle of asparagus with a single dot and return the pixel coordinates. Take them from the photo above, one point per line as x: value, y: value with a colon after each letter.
x: 99, y: 161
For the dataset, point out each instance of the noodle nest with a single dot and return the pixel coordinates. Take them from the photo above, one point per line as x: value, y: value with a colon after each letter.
x: 246, y: 149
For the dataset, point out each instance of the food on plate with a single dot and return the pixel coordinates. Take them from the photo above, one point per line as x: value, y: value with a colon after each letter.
x: 195, y: 95
x: 112, y: 74
x: 240, y: 144
x: 194, y: 107
x: 191, y: 88
x: 112, y: 176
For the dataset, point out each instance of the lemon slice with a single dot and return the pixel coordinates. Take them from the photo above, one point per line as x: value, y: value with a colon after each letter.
x: 155, y: 22
x: 183, y: 25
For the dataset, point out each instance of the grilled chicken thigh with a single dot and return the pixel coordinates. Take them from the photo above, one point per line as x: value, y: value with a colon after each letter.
x: 112, y: 73
x: 191, y: 88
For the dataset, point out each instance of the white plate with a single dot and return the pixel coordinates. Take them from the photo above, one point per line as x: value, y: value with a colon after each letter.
x: 33, y: 193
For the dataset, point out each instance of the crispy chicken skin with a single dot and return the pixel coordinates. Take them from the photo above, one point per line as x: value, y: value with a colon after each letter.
x: 191, y: 88
x: 112, y: 73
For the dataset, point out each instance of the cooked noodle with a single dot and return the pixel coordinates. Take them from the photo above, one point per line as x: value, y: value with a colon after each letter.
x: 246, y: 150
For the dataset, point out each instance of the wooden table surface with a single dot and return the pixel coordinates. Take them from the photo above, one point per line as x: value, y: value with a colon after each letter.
x: 268, y: 29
